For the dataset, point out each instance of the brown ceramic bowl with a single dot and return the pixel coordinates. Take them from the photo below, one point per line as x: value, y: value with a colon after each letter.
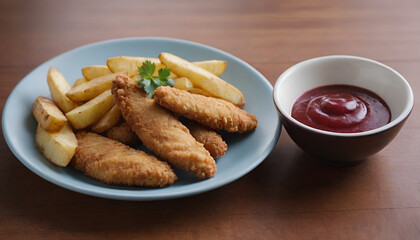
x: 343, y: 148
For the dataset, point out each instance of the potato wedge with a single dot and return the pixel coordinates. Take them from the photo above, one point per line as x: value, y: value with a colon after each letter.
x: 90, y: 112
x: 217, y: 67
x: 203, y: 79
x: 90, y: 89
x: 58, y: 147
x: 48, y: 115
x: 200, y: 91
x: 79, y: 81
x: 131, y: 64
x: 95, y: 71
x: 183, y: 83
x: 110, y: 119
x: 59, y: 86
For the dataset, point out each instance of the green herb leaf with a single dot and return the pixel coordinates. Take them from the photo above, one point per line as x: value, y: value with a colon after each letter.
x: 164, y: 73
x: 150, y: 83
x: 147, y: 70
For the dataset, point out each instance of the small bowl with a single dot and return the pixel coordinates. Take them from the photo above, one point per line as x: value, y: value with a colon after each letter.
x: 343, y: 148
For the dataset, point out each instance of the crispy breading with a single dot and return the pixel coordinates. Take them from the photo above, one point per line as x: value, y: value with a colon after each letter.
x: 115, y: 163
x: 212, y: 112
x: 160, y: 130
x: 212, y: 141
x: 123, y: 134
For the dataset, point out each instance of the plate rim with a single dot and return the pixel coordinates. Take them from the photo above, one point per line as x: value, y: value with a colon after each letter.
x: 193, y: 190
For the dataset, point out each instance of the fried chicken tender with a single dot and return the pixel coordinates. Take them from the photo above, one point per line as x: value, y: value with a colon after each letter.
x: 160, y: 130
x: 212, y: 112
x: 212, y: 141
x: 123, y: 133
x: 115, y: 163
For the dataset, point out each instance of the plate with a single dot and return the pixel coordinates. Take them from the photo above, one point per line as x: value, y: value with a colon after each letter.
x: 245, y: 152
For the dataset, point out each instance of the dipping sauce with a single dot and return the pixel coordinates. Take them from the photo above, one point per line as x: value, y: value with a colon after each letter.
x: 341, y: 108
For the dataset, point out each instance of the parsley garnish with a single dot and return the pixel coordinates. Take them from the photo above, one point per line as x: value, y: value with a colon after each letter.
x: 150, y: 83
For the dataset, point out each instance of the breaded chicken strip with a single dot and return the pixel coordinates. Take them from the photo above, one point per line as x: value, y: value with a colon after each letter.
x: 123, y: 133
x: 160, y: 130
x: 115, y: 163
x: 212, y: 112
x: 212, y: 141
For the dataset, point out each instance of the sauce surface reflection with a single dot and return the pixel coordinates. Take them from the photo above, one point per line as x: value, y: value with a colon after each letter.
x: 341, y: 108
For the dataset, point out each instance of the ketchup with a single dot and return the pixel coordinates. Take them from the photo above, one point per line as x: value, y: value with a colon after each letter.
x: 341, y: 108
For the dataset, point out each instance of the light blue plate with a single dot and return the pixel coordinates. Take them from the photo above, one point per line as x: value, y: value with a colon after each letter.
x: 245, y: 152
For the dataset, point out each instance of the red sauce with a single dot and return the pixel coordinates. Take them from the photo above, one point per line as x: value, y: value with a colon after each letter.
x: 341, y: 108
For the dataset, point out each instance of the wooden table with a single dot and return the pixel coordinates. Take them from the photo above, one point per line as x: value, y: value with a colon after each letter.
x: 288, y: 196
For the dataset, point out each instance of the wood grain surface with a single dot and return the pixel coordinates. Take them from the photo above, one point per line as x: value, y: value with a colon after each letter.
x: 288, y: 196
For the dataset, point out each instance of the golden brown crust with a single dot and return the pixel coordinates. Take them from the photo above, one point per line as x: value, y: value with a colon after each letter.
x: 123, y: 133
x: 115, y: 163
x: 212, y: 141
x: 212, y: 112
x: 160, y: 130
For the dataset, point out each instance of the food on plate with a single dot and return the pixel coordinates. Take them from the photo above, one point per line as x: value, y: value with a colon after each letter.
x: 90, y: 89
x: 150, y: 97
x: 211, y: 140
x: 184, y: 83
x: 130, y: 64
x: 115, y: 163
x: 124, y: 134
x: 48, y: 115
x: 110, y: 119
x: 148, y: 82
x: 203, y: 79
x: 201, y: 92
x: 79, y: 81
x: 58, y: 146
x: 160, y: 130
x: 90, y: 112
x: 59, y: 86
x: 212, y: 112
x: 95, y: 71
x: 341, y: 108
x: 217, y: 67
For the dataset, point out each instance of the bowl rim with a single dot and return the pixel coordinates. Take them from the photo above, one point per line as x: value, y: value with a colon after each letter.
x: 400, y: 118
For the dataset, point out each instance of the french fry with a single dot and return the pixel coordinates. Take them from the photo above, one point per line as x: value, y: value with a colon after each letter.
x: 217, y: 67
x: 131, y: 64
x: 110, y: 119
x: 79, y: 81
x: 48, y: 115
x: 91, y: 89
x: 90, y: 112
x: 200, y: 91
x: 203, y: 79
x: 95, y: 71
x: 183, y: 83
x: 58, y: 147
x: 59, y: 86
